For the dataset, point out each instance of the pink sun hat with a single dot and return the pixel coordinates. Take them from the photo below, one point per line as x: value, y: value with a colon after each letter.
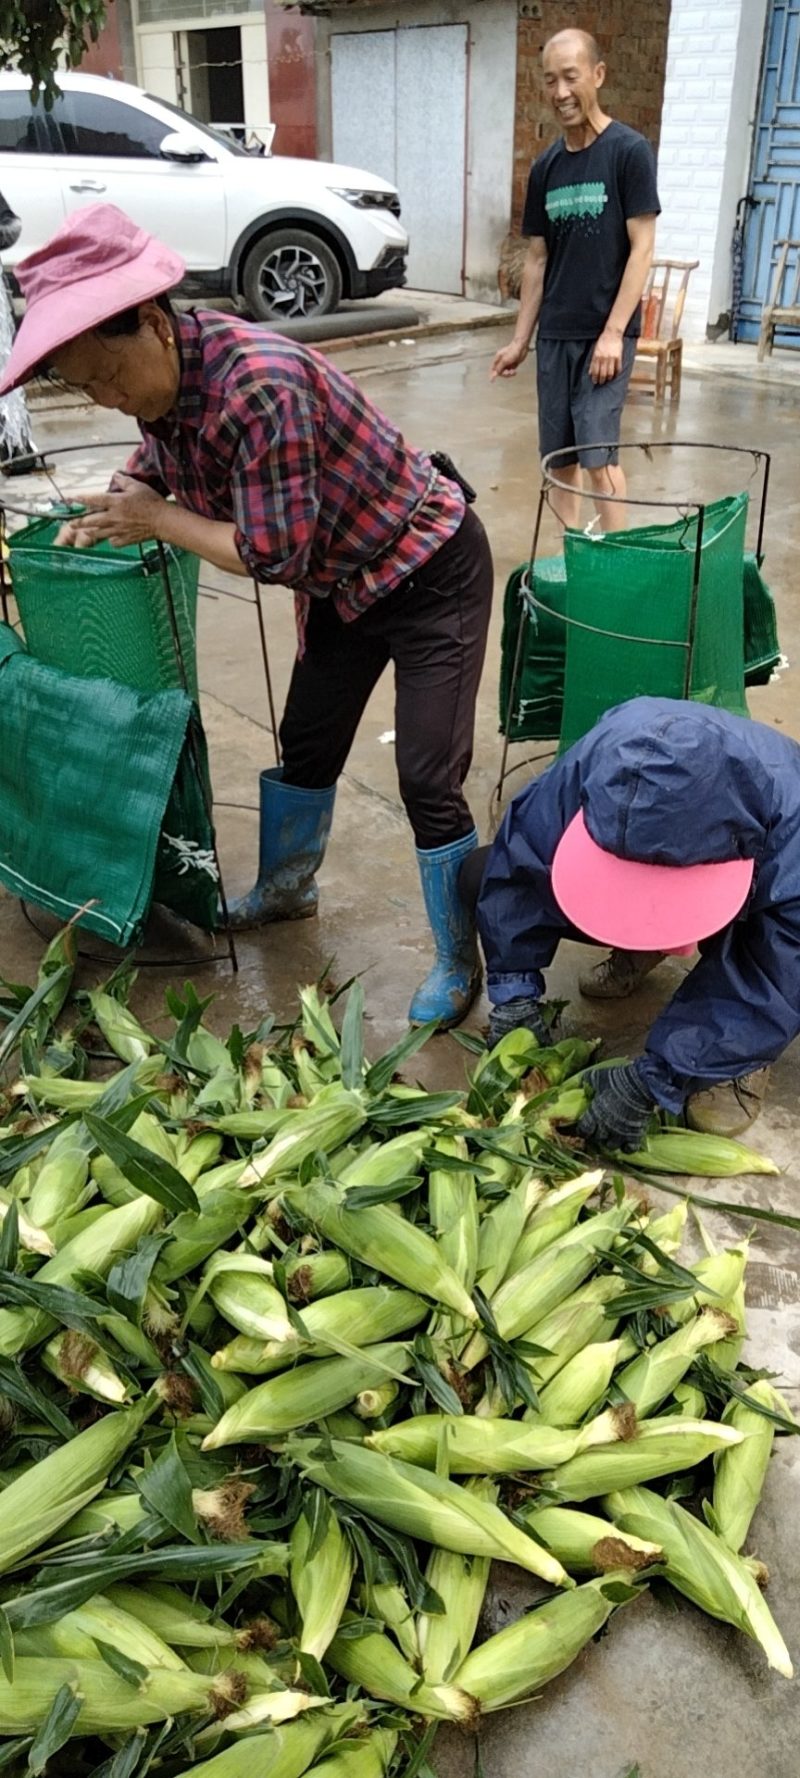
x: 98, y: 263
x: 644, y: 907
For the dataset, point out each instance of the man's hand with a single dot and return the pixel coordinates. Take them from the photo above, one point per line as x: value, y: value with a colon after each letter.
x: 620, y: 1110
x: 607, y: 356
x: 131, y: 512
x: 507, y: 361
x: 523, y: 1014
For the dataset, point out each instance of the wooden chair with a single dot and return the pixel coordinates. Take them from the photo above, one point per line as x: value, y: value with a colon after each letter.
x: 660, y: 347
x: 779, y: 313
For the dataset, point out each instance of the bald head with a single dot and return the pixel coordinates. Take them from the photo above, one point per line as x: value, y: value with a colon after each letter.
x: 573, y: 41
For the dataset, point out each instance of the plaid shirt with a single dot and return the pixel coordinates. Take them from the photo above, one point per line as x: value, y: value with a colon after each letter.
x: 326, y: 496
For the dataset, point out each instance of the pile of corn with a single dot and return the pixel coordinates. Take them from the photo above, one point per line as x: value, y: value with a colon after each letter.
x: 290, y: 1350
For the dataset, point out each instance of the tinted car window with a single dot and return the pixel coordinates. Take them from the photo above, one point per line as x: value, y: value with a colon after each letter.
x: 90, y: 123
x: 23, y: 126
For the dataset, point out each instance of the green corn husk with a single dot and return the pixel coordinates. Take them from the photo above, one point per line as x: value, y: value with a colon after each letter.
x: 702, y: 1567
x: 661, y: 1447
x: 82, y: 1463
x: 423, y: 1505
x: 357, y: 1317
x: 689, y: 1402
x: 384, y: 1163
x: 372, y: 1661
x: 95, y: 1249
x: 111, y: 1512
x: 122, y: 1032
x: 201, y: 1155
x: 251, y: 1126
x: 478, y: 1446
x: 319, y: 1274
x: 32, y: 1239
x: 667, y: 1232
x: 321, y: 1572
x: 659, y: 1369
x: 584, y: 1317
x: 370, y: 1758
x: 324, y: 1127
x: 172, y: 1615
x: 241, y: 1288
x: 719, y: 1277
x: 580, y: 1384
x: 196, y: 1236
x: 707, y: 1157
x: 60, y: 1093
x: 501, y: 1226
x: 103, y: 1619
x: 304, y: 1395
x: 587, y: 1544
x: 380, y: 1238
x: 527, y: 1296
x: 739, y: 1473
x: 537, y: 1647
x: 446, y: 1637
x: 370, y: 1404
x: 62, y: 1187
x: 286, y: 1752
x: 82, y: 1365
x: 725, y: 1353
x: 386, y: 1601
x: 109, y: 1704
x: 554, y: 1217
x: 453, y: 1208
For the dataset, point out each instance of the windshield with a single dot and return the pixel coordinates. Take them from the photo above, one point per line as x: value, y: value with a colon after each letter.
x: 205, y: 129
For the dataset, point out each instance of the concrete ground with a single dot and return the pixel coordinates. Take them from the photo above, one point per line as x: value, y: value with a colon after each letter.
x: 665, y: 1690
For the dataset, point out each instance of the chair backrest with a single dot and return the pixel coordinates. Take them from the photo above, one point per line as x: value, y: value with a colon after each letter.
x: 664, y: 297
x: 786, y: 288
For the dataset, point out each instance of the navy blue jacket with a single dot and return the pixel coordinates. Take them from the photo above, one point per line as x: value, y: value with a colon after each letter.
x: 667, y: 782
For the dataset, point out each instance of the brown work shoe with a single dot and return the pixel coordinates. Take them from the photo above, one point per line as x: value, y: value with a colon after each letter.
x: 730, y: 1107
x: 619, y: 974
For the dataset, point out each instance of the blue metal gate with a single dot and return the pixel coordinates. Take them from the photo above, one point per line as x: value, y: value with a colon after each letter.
x: 774, y: 211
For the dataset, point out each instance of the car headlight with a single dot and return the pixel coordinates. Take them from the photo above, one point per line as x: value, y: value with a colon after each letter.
x: 367, y: 200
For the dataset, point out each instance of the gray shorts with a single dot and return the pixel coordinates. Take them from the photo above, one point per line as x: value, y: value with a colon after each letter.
x: 575, y: 411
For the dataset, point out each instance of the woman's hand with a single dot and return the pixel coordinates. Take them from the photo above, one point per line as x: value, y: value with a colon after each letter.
x: 130, y: 512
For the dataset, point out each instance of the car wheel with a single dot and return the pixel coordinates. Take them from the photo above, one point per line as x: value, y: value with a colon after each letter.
x: 291, y: 275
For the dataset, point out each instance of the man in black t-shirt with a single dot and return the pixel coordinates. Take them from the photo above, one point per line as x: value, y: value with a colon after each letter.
x: 590, y: 214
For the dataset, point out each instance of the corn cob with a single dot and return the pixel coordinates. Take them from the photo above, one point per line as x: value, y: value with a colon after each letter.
x: 446, y: 1637
x: 62, y: 1187
x: 587, y: 1544
x: 725, y: 1353
x: 360, y: 1759
x: 580, y: 1384
x: 94, y: 1250
x: 702, y: 1567
x: 657, y: 1371
x: 689, y: 1401
x: 741, y: 1471
x: 82, y: 1463
x: 240, y: 1286
x: 473, y: 1446
x: 322, y: 1273
x: 32, y: 1239
x: 453, y: 1208
x: 371, y: 1404
x: 109, y: 1704
x: 171, y: 1615
x: 307, y: 1394
x: 384, y: 1163
x: 286, y: 1752
x: 199, y: 1157
x: 326, y: 1126
x: 252, y: 1126
x: 719, y: 1277
x: 707, y: 1157
x: 320, y: 1580
x: 536, y: 1648
x: 352, y: 1318
x: 75, y: 1635
x: 661, y: 1447
x: 501, y: 1227
x: 386, y: 1601
x: 554, y: 1217
x: 372, y: 1661
x: 122, y: 1032
x: 527, y: 1296
x: 586, y: 1316
x: 667, y: 1232
x: 82, y: 1365
x: 274, y: 1705
x: 424, y: 1505
x: 380, y: 1238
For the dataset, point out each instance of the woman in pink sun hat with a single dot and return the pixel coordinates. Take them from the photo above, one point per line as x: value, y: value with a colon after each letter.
x: 670, y: 827
x: 261, y: 457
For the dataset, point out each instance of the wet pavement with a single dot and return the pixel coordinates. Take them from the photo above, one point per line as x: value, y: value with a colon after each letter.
x: 665, y: 1689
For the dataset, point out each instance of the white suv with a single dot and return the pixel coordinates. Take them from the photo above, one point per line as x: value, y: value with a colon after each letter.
x: 284, y: 238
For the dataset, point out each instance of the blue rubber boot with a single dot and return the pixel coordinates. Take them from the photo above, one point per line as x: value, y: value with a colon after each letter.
x: 454, y: 981
x: 293, y: 834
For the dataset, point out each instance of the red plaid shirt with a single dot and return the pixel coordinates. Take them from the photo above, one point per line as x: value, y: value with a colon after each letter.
x: 326, y: 496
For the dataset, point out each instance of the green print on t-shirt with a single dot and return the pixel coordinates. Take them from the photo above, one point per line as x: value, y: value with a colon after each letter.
x: 568, y: 201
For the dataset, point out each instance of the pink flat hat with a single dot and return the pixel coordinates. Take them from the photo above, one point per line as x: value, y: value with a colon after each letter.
x: 644, y: 907
x: 97, y: 264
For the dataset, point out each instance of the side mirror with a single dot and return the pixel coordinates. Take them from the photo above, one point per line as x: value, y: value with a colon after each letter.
x: 176, y: 147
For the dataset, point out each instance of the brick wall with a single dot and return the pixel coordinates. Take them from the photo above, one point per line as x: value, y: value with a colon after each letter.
x: 633, y: 41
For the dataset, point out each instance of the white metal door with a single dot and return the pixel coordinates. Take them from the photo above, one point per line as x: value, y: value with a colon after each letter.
x: 399, y: 101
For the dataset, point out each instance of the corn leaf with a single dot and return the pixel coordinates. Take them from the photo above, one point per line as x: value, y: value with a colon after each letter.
x: 382, y: 1073
x: 168, y: 1491
x: 423, y: 1108
x: 9, y: 1238
x: 361, y: 1197
x: 6, y: 1647
x: 55, y: 1730
x: 131, y: 1671
x: 127, y: 1282
x: 14, y: 1030
x: 18, y: 1388
x: 146, y: 1172
x: 352, y: 1040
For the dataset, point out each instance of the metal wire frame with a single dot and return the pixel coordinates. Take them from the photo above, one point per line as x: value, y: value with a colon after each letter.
x: 761, y: 461
x: 38, y: 509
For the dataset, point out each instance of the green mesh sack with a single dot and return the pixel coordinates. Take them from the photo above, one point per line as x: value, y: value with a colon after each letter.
x: 762, y: 650
x: 538, y: 694
x: 103, y: 612
x: 629, y: 602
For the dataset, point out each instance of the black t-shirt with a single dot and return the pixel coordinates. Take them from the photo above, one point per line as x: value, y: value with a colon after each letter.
x: 580, y: 203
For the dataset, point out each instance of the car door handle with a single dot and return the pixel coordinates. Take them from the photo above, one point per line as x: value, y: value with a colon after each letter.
x: 88, y: 185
